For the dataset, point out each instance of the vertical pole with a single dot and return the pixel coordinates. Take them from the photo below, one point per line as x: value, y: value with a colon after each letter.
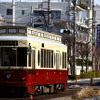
x: 90, y: 24
x: 31, y: 17
x: 69, y: 14
x: 13, y: 17
x: 93, y: 36
x: 74, y: 39
x: 48, y: 12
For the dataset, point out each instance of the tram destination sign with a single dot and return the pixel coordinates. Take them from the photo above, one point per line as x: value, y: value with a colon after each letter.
x: 8, y: 43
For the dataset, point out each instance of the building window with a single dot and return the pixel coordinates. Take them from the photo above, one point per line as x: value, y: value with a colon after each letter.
x: 9, y: 11
x: 38, y: 13
x: 23, y: 12
x: 56, y: 15
x: 87, y: 2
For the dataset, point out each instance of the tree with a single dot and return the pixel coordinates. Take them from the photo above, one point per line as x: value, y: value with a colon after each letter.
x: 60, y: 24
x: 97, y: 58
x: 84, y: 50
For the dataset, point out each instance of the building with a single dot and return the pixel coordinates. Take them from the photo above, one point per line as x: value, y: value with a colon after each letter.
x: 34, y: 13
x: 78, y: 16
x: 97, y: 63
x: 97, y: 18
x: 83, y: 32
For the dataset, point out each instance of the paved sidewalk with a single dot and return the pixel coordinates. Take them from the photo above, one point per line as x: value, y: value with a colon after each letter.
x: 73, y: 81
x: 82, y: 80
x: 67, y: 98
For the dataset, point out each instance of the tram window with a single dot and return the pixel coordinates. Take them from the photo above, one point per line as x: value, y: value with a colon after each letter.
x: 64, y: 60
x: 0, y: 57
x: 11, y: 56
x: 12, y: 30
x: 42, y: 44
x: 8, y: 43
x: 42, y: 57
x: 57, y: 61
x: 51, y: 59
x: 22, y: 56
x: 54, y: 59
x: 2, y: 31
x: 8, y: 56
x: 22, y: 31
x: 46, y: 58
x: 30, y: 59
x: 60, y: 59
x: 33, y: 58
x: 38, y: 57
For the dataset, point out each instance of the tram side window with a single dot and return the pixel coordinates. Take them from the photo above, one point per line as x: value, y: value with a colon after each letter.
x: 46, y: 58
x: 33, y: 58
x: 38, y: 57
x: 57, y: 61
x: 64, y: 59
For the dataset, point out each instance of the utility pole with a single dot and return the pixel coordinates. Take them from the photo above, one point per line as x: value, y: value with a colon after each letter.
x: 93, y: 36
x: 13, y: 9
x: 74, y: 38
x: 48, y: 12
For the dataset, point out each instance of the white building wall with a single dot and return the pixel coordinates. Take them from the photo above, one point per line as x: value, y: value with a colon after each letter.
x: 97, y: 9
x: 26, y: 6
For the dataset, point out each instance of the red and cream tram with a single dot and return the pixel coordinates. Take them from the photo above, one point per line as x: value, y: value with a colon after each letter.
x: 31, y: 61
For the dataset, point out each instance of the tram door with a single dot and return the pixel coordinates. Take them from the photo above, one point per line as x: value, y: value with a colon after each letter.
x: 33, y: 60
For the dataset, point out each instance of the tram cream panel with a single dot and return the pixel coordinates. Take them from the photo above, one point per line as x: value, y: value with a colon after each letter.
x: 43, y: 35
x: 55, y: 48
x: 22, y: 43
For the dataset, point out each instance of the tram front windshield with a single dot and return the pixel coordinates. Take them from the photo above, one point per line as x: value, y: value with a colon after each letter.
x: 11, y: 56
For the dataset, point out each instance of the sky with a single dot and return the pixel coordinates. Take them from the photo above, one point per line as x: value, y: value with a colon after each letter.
x: 95, y: 1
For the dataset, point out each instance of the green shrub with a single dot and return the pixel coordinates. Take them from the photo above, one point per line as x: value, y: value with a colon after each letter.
x: 73, y: 76
x: 84, y: 75
x: 90, y: 74
x: 97, y: 74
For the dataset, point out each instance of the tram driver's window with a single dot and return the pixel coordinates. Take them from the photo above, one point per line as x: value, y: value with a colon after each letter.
x: 22, y: 56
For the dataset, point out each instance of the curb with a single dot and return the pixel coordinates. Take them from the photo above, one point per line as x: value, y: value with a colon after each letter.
x: 82, y: 80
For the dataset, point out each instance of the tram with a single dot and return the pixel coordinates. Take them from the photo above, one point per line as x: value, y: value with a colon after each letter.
x: 31, y: 61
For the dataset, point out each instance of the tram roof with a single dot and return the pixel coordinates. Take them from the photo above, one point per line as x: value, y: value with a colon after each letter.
x: 14, y: 38
x: 28, y: 31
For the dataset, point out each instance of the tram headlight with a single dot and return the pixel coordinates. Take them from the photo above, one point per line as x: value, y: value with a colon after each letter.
x: 23, y: 78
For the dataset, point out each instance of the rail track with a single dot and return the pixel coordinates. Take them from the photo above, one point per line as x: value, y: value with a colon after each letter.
x: 44, y: 96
